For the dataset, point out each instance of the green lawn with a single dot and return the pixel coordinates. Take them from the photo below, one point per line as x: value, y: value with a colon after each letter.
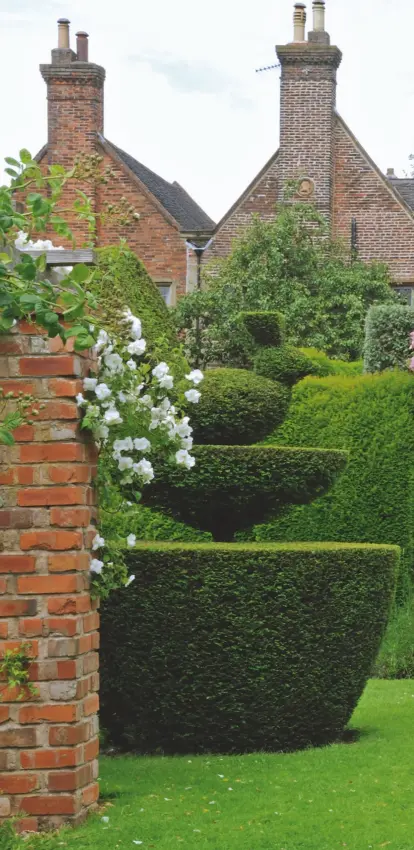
x: 356, y: 795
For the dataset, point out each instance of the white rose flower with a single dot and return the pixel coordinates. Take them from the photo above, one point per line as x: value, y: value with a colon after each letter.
x: 183, y: 458
x: 141, y: 444
x: 131, y: 541
x: 187, y: 442
x: 130, y: 580
x: 122, y: 397
x: 183, y: 428
x: 125, y: 463
x: 80, y: 400
x: 167, y: 382
x: 125, y: 445
x: 101, y: 432
x: 114, y: 363
x: 196, y: 376
x: 102, y: 391
x: 102, y: 340
x: 137, y: 347
x: 89, y: 384
x: 160, y: 370
x: 136, y: 328
x: 98, y: 542
x: 144, y: 470
x: 193, y: 396
x: 131, y: 365
x: 96, y: 566
x: 113, y: 417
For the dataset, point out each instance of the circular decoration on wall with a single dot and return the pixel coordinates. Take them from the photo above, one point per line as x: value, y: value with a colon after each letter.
x: 306, y: 188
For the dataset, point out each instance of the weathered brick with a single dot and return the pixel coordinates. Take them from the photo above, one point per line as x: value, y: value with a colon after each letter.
x: 70, y: 517
x: 18, y: 783
x: 47, y: 584
x: 17, y: 563
x: 60, y: 365
x: 49, y: 713
x: 57, y: 540
x: 51, y: 496
x: 67, y: 562
x: 53, y: 453
x: 47, y: 804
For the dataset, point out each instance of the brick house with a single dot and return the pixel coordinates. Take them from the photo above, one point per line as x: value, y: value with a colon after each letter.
x: 168, y: 216
x: 372, y: 212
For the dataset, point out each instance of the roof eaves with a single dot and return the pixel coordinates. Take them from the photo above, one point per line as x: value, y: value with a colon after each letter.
x: 109, y: 148
x: 250, y: 188
x: 386, y: 183
x: 40, y: 154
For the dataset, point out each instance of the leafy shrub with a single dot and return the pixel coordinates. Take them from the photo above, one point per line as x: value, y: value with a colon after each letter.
x: 148, y: 525
x: 372, y: 417
x: 232, y: 487
x: 237, y: 407
x: 121, y: 278
x: 324, y: 365
x: 286, y: 364
x: 242, y: 648
x: 387, y: 332
x: 396, y: 656
x: 266, y: 328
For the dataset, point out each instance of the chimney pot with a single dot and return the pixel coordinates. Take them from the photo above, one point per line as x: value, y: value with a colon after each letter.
x: 82, y: 46
x: 299, y: 22
x: 63, y: 34
x: 319, y: 15
x: 390, y: 172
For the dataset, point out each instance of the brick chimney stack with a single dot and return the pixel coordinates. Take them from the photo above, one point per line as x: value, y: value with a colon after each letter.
x: 307, y: 113
x: 75, y: 94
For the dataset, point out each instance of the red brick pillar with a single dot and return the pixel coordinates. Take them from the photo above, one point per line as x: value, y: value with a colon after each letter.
x: 48, y: 741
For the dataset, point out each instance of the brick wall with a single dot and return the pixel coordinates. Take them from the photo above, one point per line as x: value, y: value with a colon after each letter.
x: 307, y: 118
x: 385, y: 228
x: 48, y: 742
x: 155, y: 240
x: 259, y: 199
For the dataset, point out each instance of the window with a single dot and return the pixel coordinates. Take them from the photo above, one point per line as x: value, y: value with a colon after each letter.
x: 406, y: 294
x: 166, y: 289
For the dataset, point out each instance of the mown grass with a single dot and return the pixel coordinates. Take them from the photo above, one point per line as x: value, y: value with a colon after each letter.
x: 357, y: 795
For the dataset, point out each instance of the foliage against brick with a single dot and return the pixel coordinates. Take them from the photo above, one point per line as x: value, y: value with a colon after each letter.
x: 387, y: 337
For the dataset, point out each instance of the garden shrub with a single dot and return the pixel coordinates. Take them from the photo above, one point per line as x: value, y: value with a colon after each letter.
x: 266, y: 328
x: 232, y: 487
x: 373, y: 500
x: 237, y: 407
x: 324, y: 365
x: 285, y: 364
x: 241, y: 648
x: 387, y: 337
x: 121, y: 278
x: 148, y: 525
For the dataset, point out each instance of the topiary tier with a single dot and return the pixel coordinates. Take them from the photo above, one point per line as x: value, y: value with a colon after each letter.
x: 234, y: 647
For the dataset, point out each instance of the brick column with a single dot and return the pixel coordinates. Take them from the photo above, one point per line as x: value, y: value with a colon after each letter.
x: 48, y: 742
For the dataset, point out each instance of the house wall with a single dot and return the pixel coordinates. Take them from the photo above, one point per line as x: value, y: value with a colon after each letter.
x: 385, y: 228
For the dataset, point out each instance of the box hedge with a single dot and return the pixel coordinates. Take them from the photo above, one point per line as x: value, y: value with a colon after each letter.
x: 236, y: 648
x: 373, y: 500
x: 266, y: 328
x: 237, y: 407
x: 286, y: 364
x: 232, y: 487
x: 387, y: 337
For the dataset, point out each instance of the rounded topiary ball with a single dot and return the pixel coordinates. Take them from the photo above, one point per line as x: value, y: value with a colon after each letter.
x: 285, y: 364
x: 237, y: 407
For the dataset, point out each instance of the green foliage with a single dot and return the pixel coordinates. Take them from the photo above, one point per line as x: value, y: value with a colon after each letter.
x: 289, y: 265
x: 387, y: 337
x: 15, y: 669
x: 371, y: 416
x: 396, y: 656
x: 266, y: 328
x: 232, y: 487
x: 324, y: 365
x: 286, y: 364
x: 9, y: 840
x: 146, y: 525
x: 121, y: 279
x: 237, y: 407
x: 242, y: 648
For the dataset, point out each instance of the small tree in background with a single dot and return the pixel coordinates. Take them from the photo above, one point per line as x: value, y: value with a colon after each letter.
x: 290, y: 265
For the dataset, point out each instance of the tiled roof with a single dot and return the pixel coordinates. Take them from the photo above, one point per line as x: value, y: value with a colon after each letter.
x: 172, y: 196
x: 405, y: 187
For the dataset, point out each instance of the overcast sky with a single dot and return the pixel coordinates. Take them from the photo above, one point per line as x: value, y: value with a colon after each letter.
x: 182, y: 94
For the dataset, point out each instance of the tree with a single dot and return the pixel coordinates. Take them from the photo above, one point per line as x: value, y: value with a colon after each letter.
x: 288, y: 264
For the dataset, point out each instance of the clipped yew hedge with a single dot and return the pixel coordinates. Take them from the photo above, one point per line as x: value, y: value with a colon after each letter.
x: 232, y: 487
x: 372, y: 417
x: 237, y: 407
x: 237, y: 648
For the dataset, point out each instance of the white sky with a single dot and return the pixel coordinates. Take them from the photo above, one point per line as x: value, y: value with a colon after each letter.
x: 182, y: 94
